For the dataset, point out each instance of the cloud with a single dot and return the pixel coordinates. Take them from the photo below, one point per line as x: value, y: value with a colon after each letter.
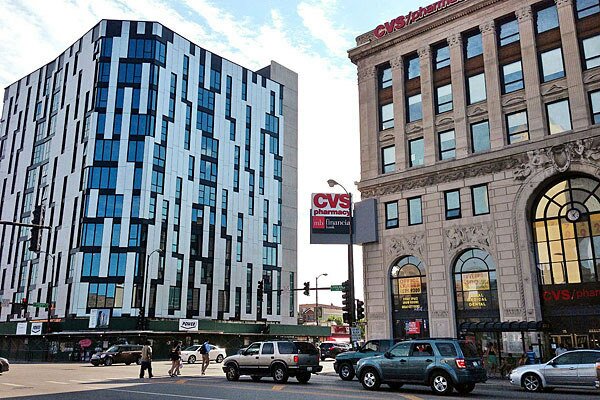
x: 315, y: 19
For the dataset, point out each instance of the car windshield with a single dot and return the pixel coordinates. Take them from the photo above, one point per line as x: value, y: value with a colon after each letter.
x: 468, y: 349
x: 192, y: 348
x: 113, y: 349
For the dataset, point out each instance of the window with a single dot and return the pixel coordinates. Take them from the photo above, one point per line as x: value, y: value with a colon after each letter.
x: 268, y: 348
x: 388, y: 156
x: 106, y: 150
x: 546, y: 19
x: 91, y: 264
x: 116, y: 235
x: 476, y: 88
x: 415, y: 215
x: 160, y: 154
x: 479, y: 195
x: 91, y: 235
x: 135, y: 152
x: 387, y: 116
x: 191, y: 163
x: 391, y: 215
x: 480, y: 137
x: 215, y: 80
x: 595, y: 102
x: 412, y: 67
x: 509, y: 32
x: 559, y: 116
x: 452, y: 201
x: 512, y: 77
x: 385, y: 77
x: 102, y: 178
x: 157, y: 182
x: 473, y: 45
x: 442, y: 56
x: 475, y: 285
x: 417, y: 152
x: 415, y: 108
x: 517, y: 127
x: 109, y: 205
x: 117, y: 264
x: 586, y: 8
x: 444, y: 98
x: 447, y: 145
x: 105, y: 295
x: 552, y: 65
x: 446, y: 349
x: 591, y: 52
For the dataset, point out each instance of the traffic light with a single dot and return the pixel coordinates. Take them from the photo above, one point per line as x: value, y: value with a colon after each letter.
x: 140, y: 323
x: 36, y: 232
x: 259, y: 291
x: 360, y: 310
x: 307, y: 288
x: 346, y: 302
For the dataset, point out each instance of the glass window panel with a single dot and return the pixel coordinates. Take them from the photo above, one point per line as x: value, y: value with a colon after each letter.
x: 541, y: 208
x: 477, y: 90
x: 480, y: 200
x: 444, y: 98
x: 558, y: 273
x: 591, y: 52
x: 559, y: 117
x: 413, y: 67
x: 556, y: 251
x: 583, y: 229
x: 588, y: 273
x: 570, y: 246
x: 480, y: 137
x: 568, y: 229
x: 447, y: 145
x: 415, y: 109
x: 552, y: 65
x: 546, y: 19
x: 509, y: 32
x: 387, y: 116
x: 542, y: 251
x: 414, y: 211
x: 586, y: 8
x: 517, y: 127
x: 546, y: 274
x: 573, y: 275
x: 595, y: 222
x: 417, y: 152
x: 512, y: 76
x: 474, y: 45
x: 553, y: 229
x: 585, y: 248
x: 385, y: 79
x: 389, y: 159
x: 595, y: 101
x: 540, y: 231
x: 452, y: 199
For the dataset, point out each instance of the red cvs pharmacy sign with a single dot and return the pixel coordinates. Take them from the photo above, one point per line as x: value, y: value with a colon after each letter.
x: 330, y: 213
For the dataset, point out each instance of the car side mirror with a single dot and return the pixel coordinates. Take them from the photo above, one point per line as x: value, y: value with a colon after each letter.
x: 387, y: 354
x: 552, y: 363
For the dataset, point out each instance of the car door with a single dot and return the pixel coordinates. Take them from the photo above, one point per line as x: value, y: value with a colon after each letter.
x: 121, y: 356
x: 212, y: 354
x: 394, y: 365
x: 267, y: 356
x: 421, y: 356
x: 586, y: 370
x: 562, y: 370
x: 248, y: 361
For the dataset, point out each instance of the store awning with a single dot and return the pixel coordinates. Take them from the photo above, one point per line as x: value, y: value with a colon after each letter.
x: 513, y: 326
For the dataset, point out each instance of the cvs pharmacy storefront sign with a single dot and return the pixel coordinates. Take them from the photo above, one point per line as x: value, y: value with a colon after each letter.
x: 330, y: 213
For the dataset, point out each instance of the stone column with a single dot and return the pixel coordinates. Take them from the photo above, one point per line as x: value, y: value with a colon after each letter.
x: 369, y: 129
x: 570, y: 49
x: 492, y: 84
x: 531, y: 73
x: 459, y: 96
x: 399, y: 112
x: 428, y: 106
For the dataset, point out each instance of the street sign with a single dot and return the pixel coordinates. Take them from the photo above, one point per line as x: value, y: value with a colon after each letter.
x: 337, y: 288
x: 40, y: 305
x: 355, y: 334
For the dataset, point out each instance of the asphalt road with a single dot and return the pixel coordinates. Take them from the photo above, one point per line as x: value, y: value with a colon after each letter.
x: 82, y: 382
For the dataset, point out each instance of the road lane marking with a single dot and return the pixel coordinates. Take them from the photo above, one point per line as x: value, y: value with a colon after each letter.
x: 12, y: 384
x: 278, y: 387
x: 160, y: 395
x: 57, y: 383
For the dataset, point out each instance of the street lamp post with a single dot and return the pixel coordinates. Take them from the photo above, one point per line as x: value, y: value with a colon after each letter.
x: 143, y: 305
x: 317, y: 296
x: 352, y: 317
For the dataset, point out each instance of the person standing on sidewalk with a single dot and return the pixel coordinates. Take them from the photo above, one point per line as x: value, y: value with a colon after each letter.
x: 175, y: 357
x: 205, y: 351
x: 146, y: 360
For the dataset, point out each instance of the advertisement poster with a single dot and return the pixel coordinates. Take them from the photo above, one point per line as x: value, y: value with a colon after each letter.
x: 99, y: 318
x: 475, y: 281
x: 36, y: 328
x: 22, y: 328
x: 409, y: 285
x: 189, y: 325
x: 330, y: 213
x: 413, y: 327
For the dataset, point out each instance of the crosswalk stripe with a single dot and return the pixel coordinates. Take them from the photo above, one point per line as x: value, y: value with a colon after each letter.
x: 58, y: 383
x: 11, y: 384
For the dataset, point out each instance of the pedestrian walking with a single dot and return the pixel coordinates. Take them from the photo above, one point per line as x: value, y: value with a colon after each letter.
x: 560, y: 350
x: 492, y: 358
x: 531, y: 356
x: 205, y: 352
x: 146, y: 360
x: 175, y: 357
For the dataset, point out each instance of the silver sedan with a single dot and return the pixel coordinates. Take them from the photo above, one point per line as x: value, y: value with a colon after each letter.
x: 572, y: 369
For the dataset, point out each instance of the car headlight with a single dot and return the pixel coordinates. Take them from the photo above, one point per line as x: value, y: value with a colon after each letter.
x: 102, y: 355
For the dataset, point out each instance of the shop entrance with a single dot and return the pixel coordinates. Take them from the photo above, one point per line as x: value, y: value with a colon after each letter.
x: 409, y: 299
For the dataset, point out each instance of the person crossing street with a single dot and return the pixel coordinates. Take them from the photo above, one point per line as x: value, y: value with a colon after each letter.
x: 146, y: 363
x: 204, y: 351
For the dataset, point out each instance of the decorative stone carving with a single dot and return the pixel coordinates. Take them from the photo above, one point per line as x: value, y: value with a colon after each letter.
x: 514, y: 312
x: 365, y: 38
x: 396, y: 63
x: 366, y: 74
x: 476, y: 110
x: 552, y: 89
x: 559, y: 158
x: 524, y: 14
x: 512, y: 100
x: 412, y: 128
x: 591, y: 77
x: 562, y: 3
x: 439, y: 314
x: 444, y: 120
x: 407, y: 245
x: 424, y: 53
x: 385, y: 136
x: 454, y: 40
x: 479, y: 234
x: 488, y: 27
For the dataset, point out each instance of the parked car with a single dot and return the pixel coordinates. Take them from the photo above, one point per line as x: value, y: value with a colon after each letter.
x: 597, y: 374
x: 119, y: 353
x: 4, y: 365
x: 573, y: 368
x: 442, y: 364
x: 331, y: 349
x: 345, y: 362
x: 278, y: 359
x: 192, y: 353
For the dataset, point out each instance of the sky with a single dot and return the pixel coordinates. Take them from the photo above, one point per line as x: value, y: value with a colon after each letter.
x: 311, y: 37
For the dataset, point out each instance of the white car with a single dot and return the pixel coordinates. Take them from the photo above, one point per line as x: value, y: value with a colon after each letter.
x: 4, y: 365
x: 192, y: 354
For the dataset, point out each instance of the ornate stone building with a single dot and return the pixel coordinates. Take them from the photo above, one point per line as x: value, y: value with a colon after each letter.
x: 480, y: 139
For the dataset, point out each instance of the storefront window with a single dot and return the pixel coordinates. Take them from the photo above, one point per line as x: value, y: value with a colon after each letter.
x: 409, y: 298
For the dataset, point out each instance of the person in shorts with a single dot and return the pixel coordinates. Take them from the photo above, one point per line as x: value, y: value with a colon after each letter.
x: 175, y: 356
x: 204, y: 351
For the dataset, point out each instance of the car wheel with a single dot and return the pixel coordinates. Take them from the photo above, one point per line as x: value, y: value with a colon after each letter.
x: 108, y: 361
x: 346, y: 372
x: 303, y: 377
x: 441, y: 383
x: 256, y: 378
x: 139, y: 361
x: 532, y: 383
x: 280, y: 374
x: 192, y: 360
x: 395, y: 386
x: 232, y: 373
x: 370, y: 379
x: 219, y: 359
x: 465, y: 388
x: 323, y: 358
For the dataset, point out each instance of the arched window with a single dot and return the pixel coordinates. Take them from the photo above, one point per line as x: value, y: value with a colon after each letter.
x: 566, y: 231
x: 475, y: 287
x: 409, y: 298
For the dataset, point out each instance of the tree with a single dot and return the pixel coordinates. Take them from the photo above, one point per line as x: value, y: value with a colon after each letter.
x: 338, y: 320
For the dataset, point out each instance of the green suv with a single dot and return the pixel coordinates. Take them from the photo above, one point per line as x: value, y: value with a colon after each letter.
x: 345, y: 362
x: 443, y: 364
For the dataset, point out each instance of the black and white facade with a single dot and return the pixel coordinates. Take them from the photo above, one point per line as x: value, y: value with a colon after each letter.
x: 135, y: 139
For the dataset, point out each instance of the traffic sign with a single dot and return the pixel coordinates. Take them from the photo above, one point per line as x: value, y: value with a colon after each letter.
x: 40, y: 305
x: 337, y: 288
x: 355, y: 334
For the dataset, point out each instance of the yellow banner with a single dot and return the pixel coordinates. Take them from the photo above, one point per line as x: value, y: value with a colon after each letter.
x: 409, y: 285
x: 476, y: 281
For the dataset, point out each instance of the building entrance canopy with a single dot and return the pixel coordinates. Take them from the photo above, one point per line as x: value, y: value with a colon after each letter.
x: 513, y: 326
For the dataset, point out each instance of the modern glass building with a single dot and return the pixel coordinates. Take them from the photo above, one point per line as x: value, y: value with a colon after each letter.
x: 135, y: 140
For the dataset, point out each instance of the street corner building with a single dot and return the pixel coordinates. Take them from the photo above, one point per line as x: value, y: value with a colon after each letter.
x: 480, y: 141
x: 168, y: 176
